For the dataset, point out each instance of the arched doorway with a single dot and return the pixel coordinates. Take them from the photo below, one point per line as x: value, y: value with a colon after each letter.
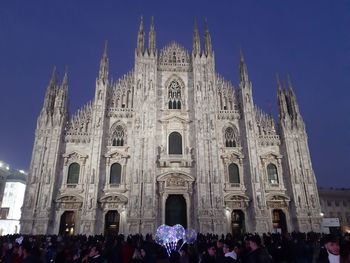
x: 175, y: 211
x: 238, y: 224
x: 67, y: 223
x: 279, y: 222
x: 112, y: 219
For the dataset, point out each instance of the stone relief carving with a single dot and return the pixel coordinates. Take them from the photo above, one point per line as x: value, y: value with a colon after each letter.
x: 176, y: 181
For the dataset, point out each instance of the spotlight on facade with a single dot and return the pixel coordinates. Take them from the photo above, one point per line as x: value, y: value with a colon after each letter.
x: 22, y: 172
x: 1, y: 164
x: 7, y: 168
x: 321, y: 214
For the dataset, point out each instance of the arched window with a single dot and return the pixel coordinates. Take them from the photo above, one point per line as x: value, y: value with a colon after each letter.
x: 272, y: 174
x: 233, y: 174
x: 175, y: 143
x: 174, y: 95
x: 73, y: 173
x: 115, y: 174
x: 118, y: 136
x: 230, y: 140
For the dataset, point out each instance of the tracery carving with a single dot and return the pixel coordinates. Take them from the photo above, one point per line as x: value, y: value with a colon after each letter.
x: 174, y: 57
x: 228, y: 104
x: 117, y: 134
x: 266, y: 128
x: 123, y: 94
x: 231, y: 136
x: 78, y: 128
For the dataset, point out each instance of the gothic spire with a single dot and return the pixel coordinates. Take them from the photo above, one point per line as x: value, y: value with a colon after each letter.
x: 65, y: 78
x: 53, y: 80
x: 243, y: 71
x: 207, y: 41
x: 152, y: 39
x: 282, y: 103
x: 196, y: 48
x: 293, y: 99
x: 51, y: 92
x: 103, y: 75
x: 141, y: 39
x: 61, y: 96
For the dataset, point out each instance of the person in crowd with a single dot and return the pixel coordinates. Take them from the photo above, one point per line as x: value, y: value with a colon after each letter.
x: 330, y: 252
x: 184, y: 258
x: 210, y: 254
x: 16, y: 254
x: 136, y: 257
x: 95, y: 254
x: 257, y: 254
x: 27, y: 253
x: 230, y: 255
x: 220, y: 254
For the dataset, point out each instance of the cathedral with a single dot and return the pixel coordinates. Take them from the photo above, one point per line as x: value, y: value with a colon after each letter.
x: 169, y: 142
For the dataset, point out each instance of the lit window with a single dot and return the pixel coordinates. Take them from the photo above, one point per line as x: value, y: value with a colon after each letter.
x: 272, y: 174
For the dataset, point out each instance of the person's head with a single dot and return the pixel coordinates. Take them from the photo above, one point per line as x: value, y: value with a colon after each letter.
x: 15, y: 248
x: 254, y: 242
x: 143, y: 253
x: 137, y: 254
x: 237, y: 248
x: 211, y: 249
x: 94, y: 251
x: 183, y: 252
x: 331, y: 243
x: 26, y: 249
x: 228, y: 247
x: 220, y: 243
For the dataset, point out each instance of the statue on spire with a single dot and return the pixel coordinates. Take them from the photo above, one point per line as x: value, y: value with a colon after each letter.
x: 141, y: 39
x: 103, y: 75
x: 207, y: 41
x: 243, y: 71
x: 196, y: 49
x: 152, y: 39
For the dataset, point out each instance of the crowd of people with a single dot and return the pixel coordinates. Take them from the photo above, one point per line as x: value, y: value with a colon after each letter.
x: 248, y: 248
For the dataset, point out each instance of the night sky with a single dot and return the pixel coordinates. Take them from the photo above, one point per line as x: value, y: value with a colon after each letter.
x: 310, y: 40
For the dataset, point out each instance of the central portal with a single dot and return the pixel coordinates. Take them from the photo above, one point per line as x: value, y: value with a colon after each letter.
x: 175, y: 211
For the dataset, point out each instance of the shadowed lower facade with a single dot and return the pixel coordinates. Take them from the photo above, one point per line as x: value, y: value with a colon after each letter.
x: 169, y: 142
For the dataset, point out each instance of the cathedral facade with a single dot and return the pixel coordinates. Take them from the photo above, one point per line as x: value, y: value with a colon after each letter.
x: 169, y: 142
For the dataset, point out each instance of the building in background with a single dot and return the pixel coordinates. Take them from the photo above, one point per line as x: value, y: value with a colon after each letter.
x: 170, y: 142
x: 12, y: 198
x: 335, y: 207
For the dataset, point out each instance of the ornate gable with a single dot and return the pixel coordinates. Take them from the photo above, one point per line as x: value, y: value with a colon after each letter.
x: 175, y: 118
x: 113, y: 201
x: 270, y: 157
x: 277, y: 200
x: 236, y: 201
x: 70, y: 202
x: 74, y: 156
x: 174, y: 57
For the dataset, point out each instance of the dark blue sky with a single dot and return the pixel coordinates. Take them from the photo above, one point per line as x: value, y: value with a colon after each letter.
x: 310, y: 40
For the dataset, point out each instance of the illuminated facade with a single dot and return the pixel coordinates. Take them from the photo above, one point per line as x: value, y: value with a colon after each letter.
x: 169, y: 142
